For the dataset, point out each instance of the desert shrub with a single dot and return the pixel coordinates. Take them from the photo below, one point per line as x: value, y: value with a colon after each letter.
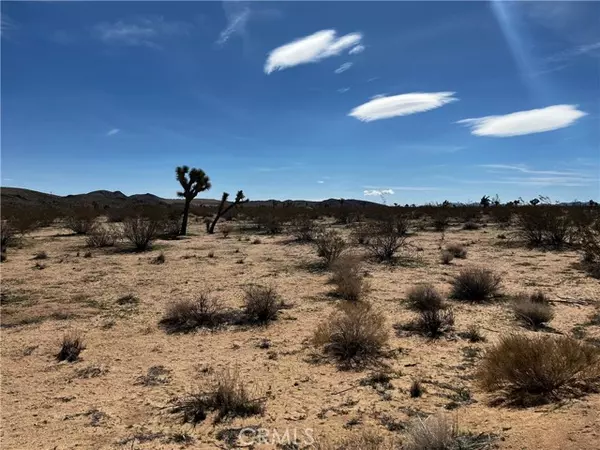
x: 81, y: 221
x: 533, y: 368
x: 361, y: 233
x: 303, y: 229
x: 475, y: 284
x: 159, y: 259
x: 424, y: 297
x: 261, y: 304
x: 416, y: 389
x: 270, y: 223
x: 170, y: 227
x: 546, y: 225
x: 539, y: 297
x: 533, y: 314
x: 71, y: 347
x: 140, y: 231
x: 225, y: 230
x: 363, y: 440
x: 385, y: 242
x: 102, y: 236
x: 590, y: 245
x: 347, y: 277
x: 40, y: 255
x: 354, y: 335
x: 440, y: 433
x: 330, y: 246
x: 457, y: 250
x: 441, y: 220
x: 7, y: 237
x: 434, y: 322
x: 471, y: 226
x: 473, y: 334
x: 184, y: 316
x: 446, y: 257
x: 228, y: 396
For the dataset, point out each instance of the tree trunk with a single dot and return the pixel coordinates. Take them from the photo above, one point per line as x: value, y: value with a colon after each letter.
x: 184, y: 221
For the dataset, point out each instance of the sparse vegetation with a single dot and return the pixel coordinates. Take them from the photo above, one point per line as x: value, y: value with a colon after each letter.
x: 261, y: 304
x: 457, y: 250
x: 347, y: 276
x: 385, y: 242
x: 437, y: 432
x: 159, y: 259
x: 354, y: 335
x: 534, y: 314
x: 71, y: 347
x: 416, y: 388
x: 330, y: 246
x: 424, y: 297
x: 102, y: 236
x: 140, y: 231
x: 184, y: 316
x: 446, y: 257
x: 475, y: 284
x: 528, y: 369
x: 228, y: 396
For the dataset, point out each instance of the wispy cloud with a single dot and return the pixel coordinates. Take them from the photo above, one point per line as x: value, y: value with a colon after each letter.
x: 238, y: 14
x: 343, y: 67
x: 343, y: 90
x: 320, y: 182
x: 356, y: 49
x: 523, y: 169
x: 113, y: 132
x: 139, y: 31
x: 310, y: 49
x: 380, y: 192
x: 392, y: 189
x: 6, y: 25
x: 525, y: 122
x: 401, y: 105
x: 520, y: 174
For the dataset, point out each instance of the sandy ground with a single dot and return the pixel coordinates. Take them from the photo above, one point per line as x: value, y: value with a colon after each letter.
x: 49, y: 405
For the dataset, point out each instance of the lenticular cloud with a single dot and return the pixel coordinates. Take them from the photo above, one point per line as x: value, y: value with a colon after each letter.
x: 309, y: 49
x: 385, y: 107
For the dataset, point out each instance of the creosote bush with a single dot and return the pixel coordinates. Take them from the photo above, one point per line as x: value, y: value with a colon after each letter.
x: 184, y: 316
x: 140, y: 231
x: 475, y: 284
x: 303, y: 229
x: 424, y: 297
x: 81, y: 221
x: 347, y: 276
x: 330, y: 246
x: 385, y: 241
x: 531, y: 313
x: 102, y: 236
x: 446, y: 257
x: 261, y: 304
x: 71, y: 347
x: 529, y: 369
x: 434, y: 323
x: 354, y: 335
x: 228, y: 396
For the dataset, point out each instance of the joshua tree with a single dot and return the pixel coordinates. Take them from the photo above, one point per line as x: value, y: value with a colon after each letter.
x: 196, y: 182
x: 239, y: 198
x: 485, y: 201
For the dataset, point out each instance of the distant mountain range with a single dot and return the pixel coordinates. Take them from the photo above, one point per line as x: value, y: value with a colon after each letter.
x: 19, y: 197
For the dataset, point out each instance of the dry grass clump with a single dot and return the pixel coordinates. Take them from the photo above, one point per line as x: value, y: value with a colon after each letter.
x: 40, y: 255
x: 416, y: 389
x: 534, y: 311
x: 385, y: 241
x: 158, y: 259
x: 446, y: 257
x: 102, y: 236
x: 330, y: 246
x: 347, y: 276
x: 440, y: 433
x: 228, y: 396
x: 354, y: 335
x: 364, y: 440
x: 71, y: 347
x: 424, y: 297
x: 473, y: 334
x: 434, y: 323
x: 475, y: 284
x: 529, y: 369
x: 261, y: 304
x: 457, y: 250
x: 185, y: 316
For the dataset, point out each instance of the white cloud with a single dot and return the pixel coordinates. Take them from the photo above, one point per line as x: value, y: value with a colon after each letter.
x: 320, y: 182
x: 343, y: 67
x: 523, y: 169
x: 401, y: 105
x: 139, y: 32
x: 309, y: 49
x: 113, y: 132
x: 370, y: 192
x: 524, y: 176
x: 343, y: 90
x: 525, y: 122
x: 356, y: 50
x: 237, y: 14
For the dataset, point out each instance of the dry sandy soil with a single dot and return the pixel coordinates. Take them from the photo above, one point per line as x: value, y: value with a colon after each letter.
x: 48, y: 404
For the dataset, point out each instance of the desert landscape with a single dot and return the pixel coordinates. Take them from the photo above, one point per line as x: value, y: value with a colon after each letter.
x: 106, y: 346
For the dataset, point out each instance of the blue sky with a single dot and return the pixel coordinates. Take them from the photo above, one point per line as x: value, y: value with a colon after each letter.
x: 420, y: 101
